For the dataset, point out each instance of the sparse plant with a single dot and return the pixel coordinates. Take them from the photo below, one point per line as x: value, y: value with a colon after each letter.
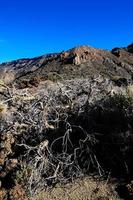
x: 65, y: 131
x: 17, y: 193
x: 23, y: 174
x: 53, y: 76
x: 130, y: 91
x: 3, y: 194
x: 3, y: 108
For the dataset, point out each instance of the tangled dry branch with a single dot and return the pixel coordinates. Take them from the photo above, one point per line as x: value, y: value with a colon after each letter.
x: 52, y: 132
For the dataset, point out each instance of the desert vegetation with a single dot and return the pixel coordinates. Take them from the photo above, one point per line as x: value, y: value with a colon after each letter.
x: 56, y: 132
x: 66, y: 126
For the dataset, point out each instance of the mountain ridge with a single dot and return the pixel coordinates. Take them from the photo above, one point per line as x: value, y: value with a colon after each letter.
x: 81, y: 62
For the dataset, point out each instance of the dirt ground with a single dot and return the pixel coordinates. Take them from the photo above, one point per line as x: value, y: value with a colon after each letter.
x: 86, y: 189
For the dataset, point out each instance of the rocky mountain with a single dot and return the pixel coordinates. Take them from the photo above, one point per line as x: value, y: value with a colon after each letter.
x: 79, y: 62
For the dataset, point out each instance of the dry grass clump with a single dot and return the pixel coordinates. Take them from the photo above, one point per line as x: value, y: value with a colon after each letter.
x: 3, y: 194
x: 54, y: 77
x: 5, y: 113
x: 3, y: 108
x: 86, y: 189
x: 17, y: 193
x: 2, y: 85
x: 130, y: 91
x: 129, y: 188
x: 8, y: 76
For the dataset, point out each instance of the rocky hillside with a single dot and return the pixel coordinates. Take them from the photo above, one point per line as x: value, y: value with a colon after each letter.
x: 80, y: 62
x: 66, y: 116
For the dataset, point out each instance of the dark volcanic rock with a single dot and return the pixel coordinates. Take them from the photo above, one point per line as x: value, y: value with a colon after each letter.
x: 130, y: 48
x: 124, y: 54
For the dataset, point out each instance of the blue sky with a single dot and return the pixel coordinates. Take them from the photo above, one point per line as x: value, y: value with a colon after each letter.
x: 30, y: 28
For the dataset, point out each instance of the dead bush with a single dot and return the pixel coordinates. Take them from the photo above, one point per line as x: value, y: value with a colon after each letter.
x: 17, y: 193
x: 65, y: 131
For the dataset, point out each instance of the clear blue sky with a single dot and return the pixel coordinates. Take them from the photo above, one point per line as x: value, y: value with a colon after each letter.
x: 33, y: 27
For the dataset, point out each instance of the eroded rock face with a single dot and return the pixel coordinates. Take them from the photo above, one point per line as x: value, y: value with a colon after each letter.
x: 78, y: 55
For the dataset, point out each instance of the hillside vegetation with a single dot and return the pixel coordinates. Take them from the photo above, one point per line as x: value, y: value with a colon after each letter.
x: 66, y: 123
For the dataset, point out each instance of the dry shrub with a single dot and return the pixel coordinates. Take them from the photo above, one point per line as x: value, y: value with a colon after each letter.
x: 65, y: 132
x: 23, y: 174
x: 8, y: 76
x: 17, y: 193
x: 34, y: 82
x: 130, y: 91
x: 54, y: 77
x: 130, y: 189
x: 3, y: 109
x: 2, y: 86
x: 3, y: 194
x: 5, y: 113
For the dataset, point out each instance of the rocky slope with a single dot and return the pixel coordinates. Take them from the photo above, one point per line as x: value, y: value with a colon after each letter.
x: 64, y: 116
x: 80, y: 62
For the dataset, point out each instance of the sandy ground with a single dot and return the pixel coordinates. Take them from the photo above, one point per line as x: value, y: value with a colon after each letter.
x: 86, y: 189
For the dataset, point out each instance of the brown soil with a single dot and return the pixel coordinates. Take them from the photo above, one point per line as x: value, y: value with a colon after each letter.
x: 86, y: 189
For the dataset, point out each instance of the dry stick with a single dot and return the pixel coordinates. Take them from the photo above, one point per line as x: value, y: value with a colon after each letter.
x: 99, y: 166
